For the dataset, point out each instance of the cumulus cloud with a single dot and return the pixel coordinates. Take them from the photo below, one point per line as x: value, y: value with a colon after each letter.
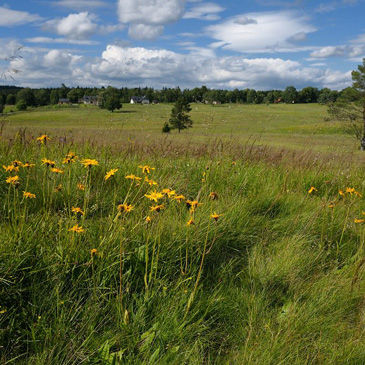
x: 145, y: 31
x: 152, y: 12
x: 9, y: 18
x: 73, y: 26
x: 204, y: 11
x: 260, y: 32
x: 61, y: 40
x: 140, y: 66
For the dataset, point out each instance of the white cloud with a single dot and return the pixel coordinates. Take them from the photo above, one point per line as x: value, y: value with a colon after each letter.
x: 58, y: 59
x: 74, y: 26
x: 204, y: 11
x: 61, y: 40
x: 260, y: 32
x: 143, y: 31
x: 338, y: 51
x: 9, y: 18
x: 152, y: 12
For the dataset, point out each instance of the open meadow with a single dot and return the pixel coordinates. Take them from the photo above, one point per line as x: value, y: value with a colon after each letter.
x: 238, y: 241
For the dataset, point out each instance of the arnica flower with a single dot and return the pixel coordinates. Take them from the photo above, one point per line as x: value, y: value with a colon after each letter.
x: 77, y: 229
x: 110, y: 173
x: 192, y: 204
x: 43, y: 138
x: 310, y: 191
x: 80, y: 186
x: 87, y: 162
x: 331, y: 206
x: 93, y: 252
x: 341, y: 192
x: 213, y: 195
x: 350, y: 190
x: 133, y: 177
x: 170, y: 193
x: 28, y: 165
x: 215, y: 216
x: 156, y: 208
x: 150, y: 182
x: 146, y: 169
x: 359, y: 220
x: 190, y: 222
x: 13, y: 180
x: 358, y: 194
x: 154, y: 195
x: 127, y: 208
x: 56, y: 170
x: 26, y: 194
x: 77, y: 210
x: 47, y: 162
x: 148, y: 219
x: 11, y: 168
x: 70, y: 157
x: 179, y: 198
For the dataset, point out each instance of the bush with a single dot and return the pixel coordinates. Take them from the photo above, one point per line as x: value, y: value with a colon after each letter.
x: 21, y: 105
x: 166, y: 128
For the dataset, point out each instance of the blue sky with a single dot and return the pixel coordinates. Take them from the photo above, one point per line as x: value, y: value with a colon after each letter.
x: 260, y: 44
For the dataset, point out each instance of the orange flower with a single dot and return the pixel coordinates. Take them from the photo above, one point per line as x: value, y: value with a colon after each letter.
x: 11, y: 168
x: 215, y: 216
x: 213, y: 195
x: 77, y: 210
x: 125, y: 208
x: 87, y: 162
x: 110, y: 173
x: 133, y: 177
x: 310, y: 191
x: 179, y: 198
x: 47, y: 162
x: 190, y: 222
x: 146, y: 169
x: 56, y: 170
x: 13, y: 180
x: 157, y: 208
x: 80, y: 186
x: 77, y: 229
x: 43, y: 138
x: 28, y: 195
x: 154, y: 195
x: 93, y: 252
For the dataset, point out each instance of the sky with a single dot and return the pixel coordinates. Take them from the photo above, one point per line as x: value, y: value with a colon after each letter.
x: 259, y: 44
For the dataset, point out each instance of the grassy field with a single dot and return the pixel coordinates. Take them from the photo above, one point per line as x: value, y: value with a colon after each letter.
x: 291, y: 126
x: 240, y: 241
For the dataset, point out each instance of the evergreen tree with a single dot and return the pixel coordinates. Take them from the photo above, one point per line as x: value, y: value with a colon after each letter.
x: 180, y: 118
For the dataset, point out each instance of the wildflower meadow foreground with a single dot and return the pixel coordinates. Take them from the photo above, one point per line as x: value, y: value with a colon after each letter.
x: 119, y: 256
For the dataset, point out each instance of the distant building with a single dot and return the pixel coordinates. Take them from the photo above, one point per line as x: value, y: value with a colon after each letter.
x: 139, y: 100
x: 62, y: 101
x: 90, y: 100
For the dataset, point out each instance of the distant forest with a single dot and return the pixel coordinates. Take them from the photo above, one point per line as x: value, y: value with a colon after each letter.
x: 11, y: 95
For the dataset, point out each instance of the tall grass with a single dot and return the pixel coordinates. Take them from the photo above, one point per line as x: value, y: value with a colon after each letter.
x: 278, y: 278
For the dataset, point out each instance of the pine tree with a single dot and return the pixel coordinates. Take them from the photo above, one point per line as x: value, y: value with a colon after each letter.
x: 180, y: 118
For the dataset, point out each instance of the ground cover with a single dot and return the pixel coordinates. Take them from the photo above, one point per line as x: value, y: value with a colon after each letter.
x: 177, y: 251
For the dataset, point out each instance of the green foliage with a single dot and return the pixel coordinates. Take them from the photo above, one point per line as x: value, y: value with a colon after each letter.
x: 180, y: 118
x: 166, y: 128
x: 110, y: 99
x: 27, y: 95
x: 290, y: 95
x: 11, y: 99
x: 21, y: 105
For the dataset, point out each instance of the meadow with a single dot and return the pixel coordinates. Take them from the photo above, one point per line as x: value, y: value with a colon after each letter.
x: 239, y: 241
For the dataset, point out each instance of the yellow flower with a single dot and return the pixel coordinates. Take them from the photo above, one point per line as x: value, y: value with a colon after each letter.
x: 17, y: 163
x: 11, y: 168
x: 150, y: 182
x: 43, y: 138
x: 310, y: 191
x: 133, y: 177
x: 193, y: 204
x: 77, y: 229
x: 170, y: 193
x: 341, y: 192
x: 57, y: 188
x: 28, y: 165
x: 179, y: 198
x: 13, y: 180
x: 156, y: 208
x: 215, y: 216
x: 77, y: 210
x: 213, y: 195
x: 331, y: 205
x: 154, y: 196
x: 87, y: 162
x: 28, y: 195
x: 70, y: 157
x: 190, y: 222
x: 110, y: 173
x: 146, y: 169
x: 350, y: 190
x: 56, y: 170
x: 93, y: 252
x: 125, y: 208
x: 47, y: 162
x: 358, y: 194
x: 148, y: 219
x: 80, y: 186
x: 359, y: 220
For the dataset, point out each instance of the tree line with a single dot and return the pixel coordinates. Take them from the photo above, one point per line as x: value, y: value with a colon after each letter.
x: 28, y: 97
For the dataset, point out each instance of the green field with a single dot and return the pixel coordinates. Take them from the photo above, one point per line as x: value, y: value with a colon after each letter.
x: 281, y: 125
x: 260, y: 262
